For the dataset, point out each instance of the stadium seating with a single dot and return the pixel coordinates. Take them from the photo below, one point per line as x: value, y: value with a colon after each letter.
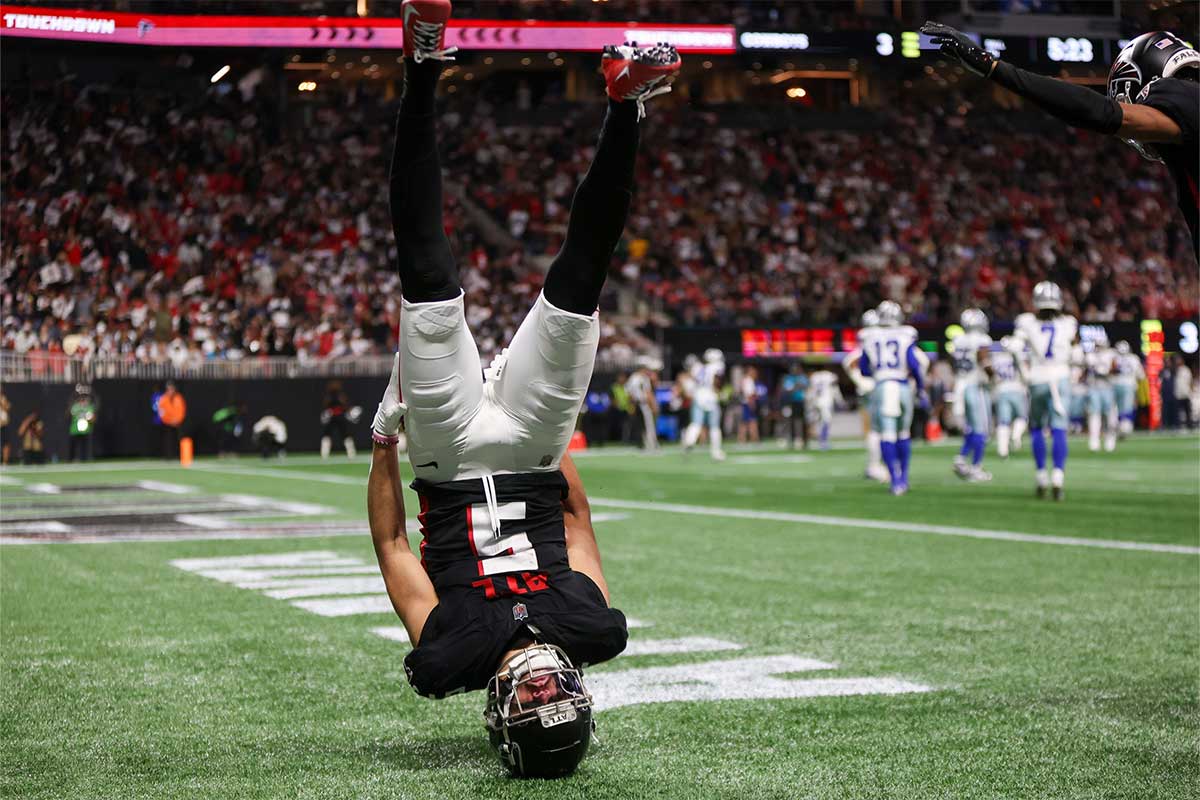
x: 276, y: 240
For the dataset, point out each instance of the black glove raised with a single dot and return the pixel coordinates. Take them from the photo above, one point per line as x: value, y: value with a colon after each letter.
x: 958, y: 45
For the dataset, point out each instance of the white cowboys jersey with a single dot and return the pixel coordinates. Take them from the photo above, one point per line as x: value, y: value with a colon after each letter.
x: 1007, y: 372
x: 1049, y: 343
x: 706, y: 375
x: 886, y: 351
x: 1100, y: 364
x: 1129, y: 370
x: 965, y: 352
x: 823, y: 387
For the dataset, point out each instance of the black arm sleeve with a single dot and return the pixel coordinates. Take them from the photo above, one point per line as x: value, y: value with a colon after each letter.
x: 1075, y: 105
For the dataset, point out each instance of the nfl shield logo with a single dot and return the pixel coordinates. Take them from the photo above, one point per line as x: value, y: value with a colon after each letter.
x: 520, y: 612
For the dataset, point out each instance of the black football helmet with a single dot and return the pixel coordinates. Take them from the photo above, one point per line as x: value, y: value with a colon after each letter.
x: 538, y: 713
x: 1143, y: 61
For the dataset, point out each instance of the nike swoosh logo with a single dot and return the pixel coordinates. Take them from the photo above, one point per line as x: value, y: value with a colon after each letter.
x: 430, y: 463
x: 409, y: 10
x: 623, y: 73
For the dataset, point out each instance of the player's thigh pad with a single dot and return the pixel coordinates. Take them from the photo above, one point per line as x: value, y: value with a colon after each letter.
x: 1041, y: 405
x: 548, y: 368
x: 440, y: 374
x: 1004, y: 409
x: 906, y: 412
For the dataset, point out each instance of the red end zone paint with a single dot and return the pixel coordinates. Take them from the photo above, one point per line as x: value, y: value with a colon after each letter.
x: 170, y: 30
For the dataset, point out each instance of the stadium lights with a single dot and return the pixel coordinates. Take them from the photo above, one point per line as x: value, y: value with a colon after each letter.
x: 221, y: 73
x: 307, y: 86
x: 797, y: 92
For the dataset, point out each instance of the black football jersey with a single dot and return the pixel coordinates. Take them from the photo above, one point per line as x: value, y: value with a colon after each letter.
x: 467, y: 634
x: 1180, y: 100
x: 461, y: 547
x: 495, y: 588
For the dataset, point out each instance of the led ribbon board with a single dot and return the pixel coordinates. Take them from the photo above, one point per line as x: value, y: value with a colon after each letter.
x: 169, y: 30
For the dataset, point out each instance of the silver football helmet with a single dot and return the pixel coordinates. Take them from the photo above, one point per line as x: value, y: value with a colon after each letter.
x: 1123, y: 348
x: 713, y: 355
x: 974, y: 319
x: 890, y: 313
x: 1047, y: 296
x: 870, y: 318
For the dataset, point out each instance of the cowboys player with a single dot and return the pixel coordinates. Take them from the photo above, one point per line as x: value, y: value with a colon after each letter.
x: 507, y: 594
x: 706, y: 407
x: 823, y: 393
x: 1153, y: 102
x: 891, y: 357
x: 1012, y: 401
x: 1101, y: 400
x: 1125, y: 385
x: 865, y: 388
x: 970, y: 351
x: 1048, y: 335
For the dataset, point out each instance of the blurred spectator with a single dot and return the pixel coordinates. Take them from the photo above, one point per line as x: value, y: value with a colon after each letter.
x: 228, y: 422
x: 792, y: 388
x: 621, y: 427
x: 82, y: 424
x: 335, y: 420
x: 172, y: 411
x: 5, y: 431
x: 1183, y: 393
x: 270, y: 436
x: 176, y: 230
x: 31, y: 431
x: 641, y: 387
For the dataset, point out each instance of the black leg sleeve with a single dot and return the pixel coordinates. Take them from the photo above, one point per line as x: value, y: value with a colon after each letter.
x: 427, y: 268
x: 598, y: 215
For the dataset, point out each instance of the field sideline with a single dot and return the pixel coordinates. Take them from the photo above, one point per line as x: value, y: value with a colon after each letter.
x: 799, y: 633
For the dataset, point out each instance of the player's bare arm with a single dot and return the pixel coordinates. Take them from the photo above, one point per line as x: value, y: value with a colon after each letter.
x: 408, y: 586
x: 583, y: 553
x: 1147, y: 124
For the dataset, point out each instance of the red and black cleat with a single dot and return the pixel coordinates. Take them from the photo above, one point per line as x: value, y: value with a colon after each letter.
x: 639, y: 73
x: 425, y: 29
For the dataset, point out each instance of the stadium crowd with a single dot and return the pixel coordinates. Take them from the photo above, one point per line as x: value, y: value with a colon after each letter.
x: 169, y: 231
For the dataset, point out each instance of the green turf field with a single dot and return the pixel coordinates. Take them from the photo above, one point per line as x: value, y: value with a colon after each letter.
x: 803, y: 634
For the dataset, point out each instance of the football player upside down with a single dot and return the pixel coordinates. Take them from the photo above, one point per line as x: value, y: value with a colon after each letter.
x: 508, y: 594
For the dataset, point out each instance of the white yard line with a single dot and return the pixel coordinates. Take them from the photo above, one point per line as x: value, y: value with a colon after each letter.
x: 347, y: 606
x: 893, y: 526
x: 784, y: 516
x: 686, y: 644
x: 393, y: 632
x: 844, y: 522
x: 267, y: 472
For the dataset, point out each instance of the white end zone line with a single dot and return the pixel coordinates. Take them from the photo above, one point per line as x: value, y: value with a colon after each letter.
x: 892, y: 526
x: 784, y: 516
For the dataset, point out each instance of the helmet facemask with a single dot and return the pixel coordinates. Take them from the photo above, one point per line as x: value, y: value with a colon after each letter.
x: 538, y: 713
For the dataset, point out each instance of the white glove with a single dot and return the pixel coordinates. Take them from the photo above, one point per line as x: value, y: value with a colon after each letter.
x: 391, y: 411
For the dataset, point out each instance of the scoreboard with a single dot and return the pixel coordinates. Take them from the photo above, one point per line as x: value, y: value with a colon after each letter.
x: 1045, y: 52
x: 784, y: 342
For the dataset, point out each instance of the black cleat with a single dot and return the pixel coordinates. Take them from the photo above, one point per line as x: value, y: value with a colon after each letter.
x: 1040, y: 492
x: 1057, y: 492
